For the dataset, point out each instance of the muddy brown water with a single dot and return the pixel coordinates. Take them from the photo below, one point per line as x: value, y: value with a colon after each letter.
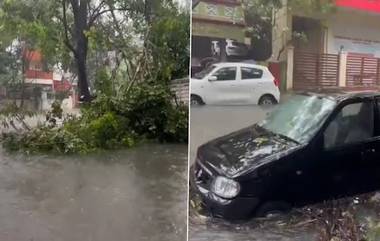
x: 349, y: 219
x: 137, y: 194
x: 203, y: 227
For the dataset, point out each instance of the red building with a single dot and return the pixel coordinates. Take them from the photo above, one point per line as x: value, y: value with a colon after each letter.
x: 37, y: 75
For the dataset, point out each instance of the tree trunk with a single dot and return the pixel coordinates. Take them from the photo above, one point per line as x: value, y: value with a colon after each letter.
x: 81, y: 47
x: 148, y: 12
x: 148, y: 20
x: 84, y: 92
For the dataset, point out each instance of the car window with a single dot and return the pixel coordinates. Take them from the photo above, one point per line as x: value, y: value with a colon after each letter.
x: 251, y: 73
x: 227, y: 73
x: 204, y: 72
x: 354, y: 123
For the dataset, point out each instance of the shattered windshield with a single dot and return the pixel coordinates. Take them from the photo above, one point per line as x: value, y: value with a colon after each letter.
x: 203, y: 73
x: 300, y: 117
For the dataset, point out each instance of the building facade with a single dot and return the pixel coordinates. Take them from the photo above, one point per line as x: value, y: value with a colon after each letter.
x: 46, y: 83
x: 340, y: 48
x: 218, y: 31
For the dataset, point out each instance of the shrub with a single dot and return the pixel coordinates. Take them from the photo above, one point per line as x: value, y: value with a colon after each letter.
x: 152, y: 113
x: 147, y: 112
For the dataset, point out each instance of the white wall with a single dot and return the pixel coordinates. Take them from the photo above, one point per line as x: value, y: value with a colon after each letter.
x: 39, y: 81
x: 357, y: 31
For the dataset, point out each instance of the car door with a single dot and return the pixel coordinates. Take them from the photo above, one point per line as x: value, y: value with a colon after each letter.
x: 252, y: 84
x: 372, y: 152
x: 346, y: 162
x: 222, y: 86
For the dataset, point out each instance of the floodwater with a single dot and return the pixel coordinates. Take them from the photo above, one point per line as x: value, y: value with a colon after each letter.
x: 220, y: 230
x: 136, y: 194
x: 349, y: 219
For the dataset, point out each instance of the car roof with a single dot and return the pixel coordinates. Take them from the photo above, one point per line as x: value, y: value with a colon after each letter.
x: 241, y: 64
x: 340, y: 95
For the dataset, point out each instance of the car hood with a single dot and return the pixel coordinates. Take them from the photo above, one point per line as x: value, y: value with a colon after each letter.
x: 242, y: 151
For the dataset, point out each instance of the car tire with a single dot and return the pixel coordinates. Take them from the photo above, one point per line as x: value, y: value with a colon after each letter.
x: 196, y: 100
x: 267, y: 100
x: 275, y: 208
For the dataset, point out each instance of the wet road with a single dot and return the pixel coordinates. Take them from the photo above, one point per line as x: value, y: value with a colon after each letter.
x: 209, y: 122
x: 308, y: 224
x: 133, y: 195
x: 207, y: 229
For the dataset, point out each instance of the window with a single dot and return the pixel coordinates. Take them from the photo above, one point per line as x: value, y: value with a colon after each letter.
x: 35, y: 66
x: 251, y: 73
x: 229, y: 12
x: 228, y: 73
x: 354, y: 123
x: 212, y: 10
x: 204, y: 72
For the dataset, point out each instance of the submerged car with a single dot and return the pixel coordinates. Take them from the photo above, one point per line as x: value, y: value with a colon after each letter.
x: 234, y: 83
x: 311, y: 148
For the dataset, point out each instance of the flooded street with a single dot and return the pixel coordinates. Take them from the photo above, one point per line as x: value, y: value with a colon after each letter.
x: 208, y: 229
x: 346, y: 219
x: 137, y: 194
x: 209, y: 122
x: 342, y: 220
x: 350, y: 219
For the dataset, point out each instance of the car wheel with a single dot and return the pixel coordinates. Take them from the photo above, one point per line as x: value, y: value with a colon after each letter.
x: 267, y: 100
x: 196, y: 100
x: 270, y: 209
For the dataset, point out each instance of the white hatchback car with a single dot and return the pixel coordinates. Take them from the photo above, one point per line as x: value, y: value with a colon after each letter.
x: 234, y: 83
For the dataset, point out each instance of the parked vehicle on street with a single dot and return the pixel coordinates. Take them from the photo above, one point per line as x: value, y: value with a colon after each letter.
x: 234, y: 48
x: 234, y: 83
x: 313, y: 147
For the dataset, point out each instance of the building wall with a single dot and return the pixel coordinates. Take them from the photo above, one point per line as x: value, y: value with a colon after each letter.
x: 39, y: 81
x: 214, y: 10
x: 217, y: 31
x: 356, y: 31
x: 219, y: 19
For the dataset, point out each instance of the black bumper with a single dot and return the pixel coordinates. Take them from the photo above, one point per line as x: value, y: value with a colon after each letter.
x: 233, y: 209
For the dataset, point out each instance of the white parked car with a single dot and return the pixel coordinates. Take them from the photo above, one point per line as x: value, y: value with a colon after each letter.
x: 234, y: 83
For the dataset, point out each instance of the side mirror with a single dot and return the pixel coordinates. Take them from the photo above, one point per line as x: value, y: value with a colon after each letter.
x: 212, y: 78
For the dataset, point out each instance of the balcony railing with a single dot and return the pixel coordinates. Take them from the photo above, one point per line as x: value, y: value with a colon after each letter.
x: 36, y: 74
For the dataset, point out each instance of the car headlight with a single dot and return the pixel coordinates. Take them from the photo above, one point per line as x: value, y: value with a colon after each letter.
x: 225, y: 187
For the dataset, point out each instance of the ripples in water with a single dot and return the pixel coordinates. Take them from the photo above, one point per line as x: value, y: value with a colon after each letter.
x: 136, y: 194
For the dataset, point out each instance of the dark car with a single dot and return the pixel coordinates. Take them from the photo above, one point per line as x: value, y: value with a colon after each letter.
x: 313, y: 147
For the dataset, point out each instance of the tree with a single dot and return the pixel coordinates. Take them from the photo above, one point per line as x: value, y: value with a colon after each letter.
x: 169, y: 42
x: 85, y: 14
x: 54, y: 24
x: 259, y: 18
x: 70, y: 32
